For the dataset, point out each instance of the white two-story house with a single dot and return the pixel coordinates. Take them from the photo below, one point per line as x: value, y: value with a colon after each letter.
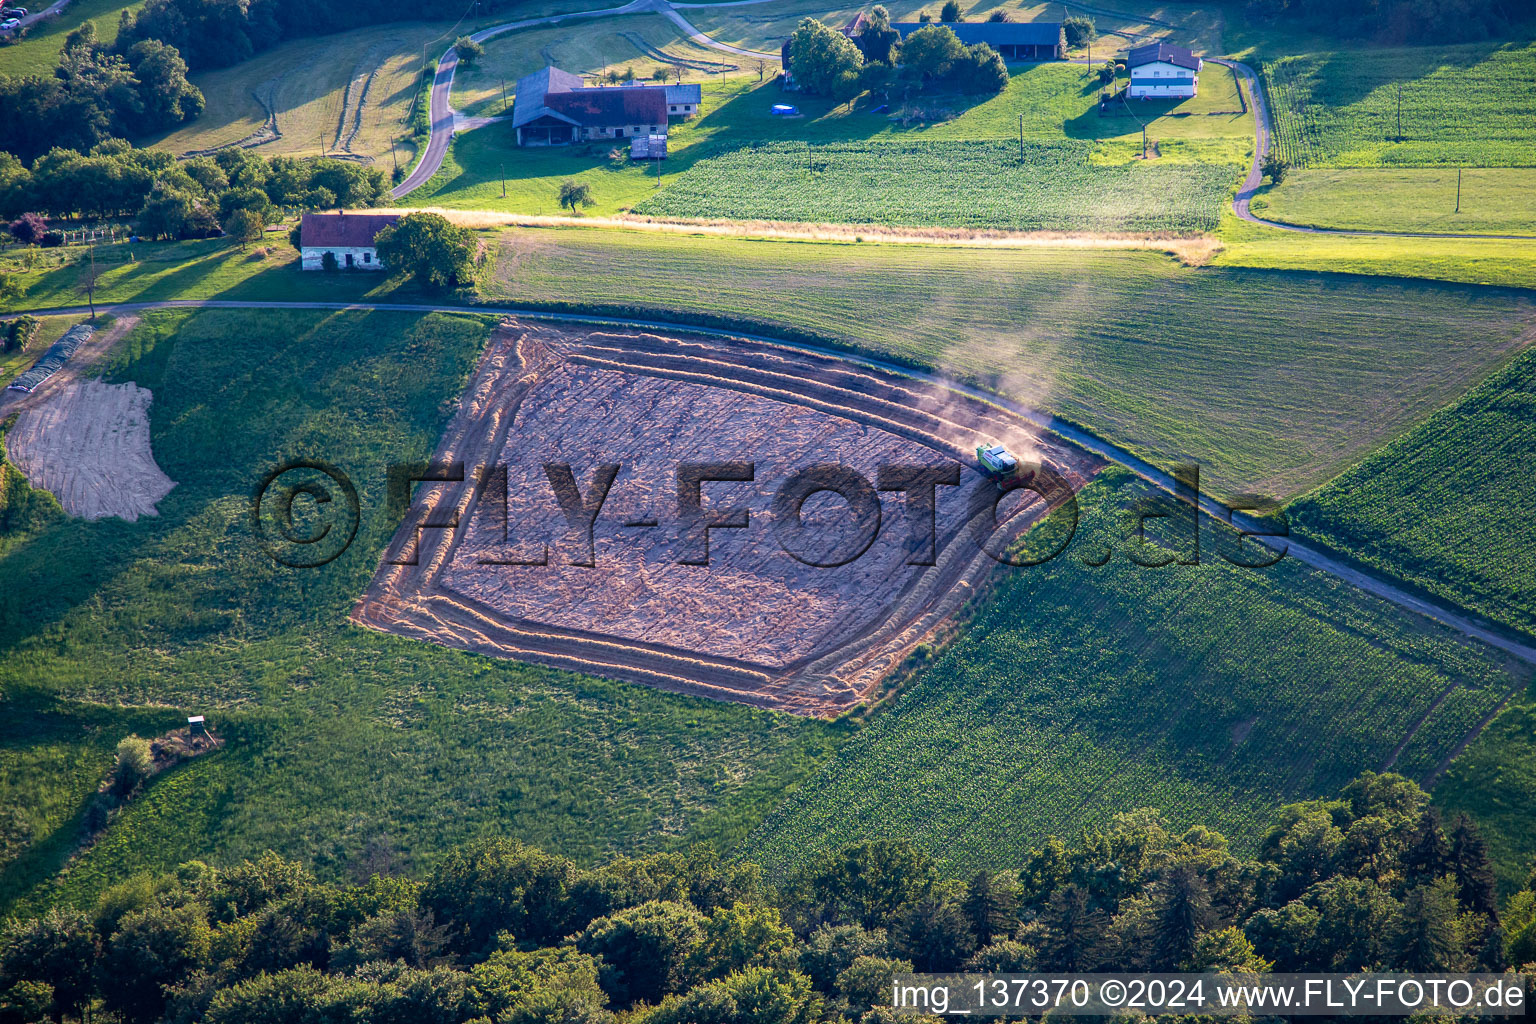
x: 1162, y: 70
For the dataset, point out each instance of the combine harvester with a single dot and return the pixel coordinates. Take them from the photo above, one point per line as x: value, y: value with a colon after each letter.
x: 1001, y: 465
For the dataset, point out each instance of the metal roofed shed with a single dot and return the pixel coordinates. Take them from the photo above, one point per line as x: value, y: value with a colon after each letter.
x: 1015, y: 40
x: 54, y: 359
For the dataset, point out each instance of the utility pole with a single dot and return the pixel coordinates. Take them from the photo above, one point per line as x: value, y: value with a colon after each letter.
x: 1143, y: 142
x: 392, y: 158
x: 1458, y: 190
x: 1021, y: 138
x: 503, y: 181
x: 503, y: 95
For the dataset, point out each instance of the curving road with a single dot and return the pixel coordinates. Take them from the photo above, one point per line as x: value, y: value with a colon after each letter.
x: 1456, y: 618
x: 443, y: 121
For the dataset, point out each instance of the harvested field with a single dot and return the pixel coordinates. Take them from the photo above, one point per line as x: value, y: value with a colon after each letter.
x: 755, y: 624
x: 89, y: 445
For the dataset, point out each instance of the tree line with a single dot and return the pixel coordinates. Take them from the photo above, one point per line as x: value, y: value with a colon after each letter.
x: 503, y: 932
x: 877, y: 59
x: 167, y: 198
x: 98, y: 91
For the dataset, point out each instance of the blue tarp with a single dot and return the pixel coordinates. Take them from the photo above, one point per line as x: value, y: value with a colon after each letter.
x: 57, y: 355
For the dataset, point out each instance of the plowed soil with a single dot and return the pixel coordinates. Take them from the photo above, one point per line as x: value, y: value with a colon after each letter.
x: 756, y: 624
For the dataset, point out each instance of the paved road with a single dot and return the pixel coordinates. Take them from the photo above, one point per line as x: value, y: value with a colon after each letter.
x: 38, y: 15
x: 1456, y: 618
x: 444, y: 122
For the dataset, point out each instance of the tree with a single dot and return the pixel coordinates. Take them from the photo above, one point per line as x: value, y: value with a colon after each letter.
x: 832, y: 949
x: 1076, y: 927
x: 929, y: 54
x: 647, y: 951
x: 90, y: 276
x: 1182, y: 910
x: 498, y: 885
x: 990, y: 906
x: 741, y: 936
x: 846, y: 87
x: 999, y: 16
x: 244, y: 226
x: 28, y: 229
x: 468, y: 50
x: 1227, y: 950
x: 950, y: 11
x: 575, y: 193
x: 867, y: 981
x: 150, y: 950
x: 878, y: 40
x: 933, y: 933
x: 1427, y: 935
x: 1476, y: 887
x: 430, y: 248
x: 818, y: 55
x: 134, y: 760
x: 980, y: 69
x: 1080, y: 30
x: 165, y: 213
x: 877, y: 78
x: 1275, y: 168
x: 58, y: 949
x: 1107, y: 72
x: 867, y: 882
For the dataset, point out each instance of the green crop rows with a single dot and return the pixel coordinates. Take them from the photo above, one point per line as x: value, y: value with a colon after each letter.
x: 1056, y: 187
x: 1209, y: 691
x: 1448, y: 505
x: 1459, y: 105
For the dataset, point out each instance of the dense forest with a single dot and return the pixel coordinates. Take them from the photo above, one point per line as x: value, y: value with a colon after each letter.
x: 503, y: 932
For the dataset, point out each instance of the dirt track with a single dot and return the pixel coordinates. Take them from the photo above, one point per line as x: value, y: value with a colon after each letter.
x: 755, y: 625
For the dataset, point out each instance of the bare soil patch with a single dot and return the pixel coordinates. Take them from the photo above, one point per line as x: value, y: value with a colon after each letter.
x: 88, y: 443
x: 756, y: 624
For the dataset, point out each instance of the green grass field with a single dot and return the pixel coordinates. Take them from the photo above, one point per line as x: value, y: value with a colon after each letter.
x: 38, y: 52
x: 1272, y: 381
x: 1054, y: 187
x: 335, y: 735
x: 1494, y: 200
x: 1208, y: 691
x: 1448, y: 506
x: 1509, y: 263
x: 1459, y: 105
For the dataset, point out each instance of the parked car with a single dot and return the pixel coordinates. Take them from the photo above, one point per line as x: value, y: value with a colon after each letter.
x: 14, y: 12
x: 10, y: 23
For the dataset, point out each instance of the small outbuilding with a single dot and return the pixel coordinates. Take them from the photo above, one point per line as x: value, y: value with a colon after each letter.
x: 1163, y: 71
x: 348, y: 237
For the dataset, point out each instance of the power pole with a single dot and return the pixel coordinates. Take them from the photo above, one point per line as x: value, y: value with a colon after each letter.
x: 1143, y: 142
x: 503, y: 95
x: 1458, y: 190
x: 392, y: 158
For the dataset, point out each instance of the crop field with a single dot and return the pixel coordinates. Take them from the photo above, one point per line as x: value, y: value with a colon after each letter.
x: 1458, y: 106
x: 38, y: 52
x: 1493, y: 200
x: 330, y: 730
x: 1447, y: 506
x: 1210, y: 691
x: 1272, y: 381
x: 1056, y: 187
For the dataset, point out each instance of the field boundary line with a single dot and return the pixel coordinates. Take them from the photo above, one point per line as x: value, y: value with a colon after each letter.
x: 1453, y: 616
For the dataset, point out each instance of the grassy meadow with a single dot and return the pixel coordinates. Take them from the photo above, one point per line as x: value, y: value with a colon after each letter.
x: 38, y: 52
x: 336, y: 737
x: 1498, y: 262
x: 1460, y: 105
x: 1077, y: 692
x: 1494, y: 200
x: 1274, y: 382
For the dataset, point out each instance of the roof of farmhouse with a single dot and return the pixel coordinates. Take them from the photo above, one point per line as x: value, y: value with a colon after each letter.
x: 1162, y: 53
x: 993, y: 33
x: 619, y: 105
x: 528, y: 104
x: 343, y: 230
